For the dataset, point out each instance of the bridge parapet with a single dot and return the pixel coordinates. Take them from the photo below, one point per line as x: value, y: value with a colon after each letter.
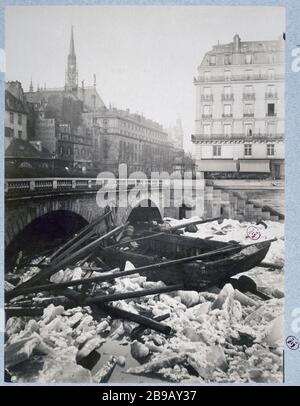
x: 57, y: 185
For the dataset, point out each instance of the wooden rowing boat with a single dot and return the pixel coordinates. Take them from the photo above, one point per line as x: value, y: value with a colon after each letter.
x: 198, y: 274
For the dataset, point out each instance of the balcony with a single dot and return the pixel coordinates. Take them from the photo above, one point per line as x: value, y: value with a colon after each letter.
x: 248, y: 114
x: 227, y: 115
x: 241, y: 137
x: 237, y: 78
x: 249, y: 96
x: 227, y: 97
x: 271, y: 114
x: 269, y: 95
x: 207, y: 97
x: 206, y: 116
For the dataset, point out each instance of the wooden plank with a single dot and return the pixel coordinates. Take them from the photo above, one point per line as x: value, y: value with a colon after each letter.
x: 189, y: 223
x: 269, y: 265
x: 137, y: 318
x: 70, y: 259
x: 130, y: 295
x: 137, y: 331
x: 79, y: 236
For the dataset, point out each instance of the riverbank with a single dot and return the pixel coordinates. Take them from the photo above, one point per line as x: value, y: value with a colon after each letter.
x: 262, y: 192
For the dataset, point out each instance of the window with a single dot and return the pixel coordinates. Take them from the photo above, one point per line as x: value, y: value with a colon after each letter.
x: 271, y: 74
x: 248, y: 129
x: 206, y: 129
x: 227, y: 130
x: 271, y: 128
x: 207, y: 91
x: 206, y: 110
x: 11, y: 118
x: 212, y: 59
x: 247, y: 149
x: 271, y: 109
x: 249, y: 89
x: 207, y: 76
x: 248, y: 74
x: 249, y: 59
x: 216, y: 150
x: 20, y: 134
x: 248, y: 109
x: 227, y: 60
x: 227, y: 90
x: 227, y: 110
x: 270, y: 92
x: 19, y: 119
x: 270, y: 149
x: 227, y: 75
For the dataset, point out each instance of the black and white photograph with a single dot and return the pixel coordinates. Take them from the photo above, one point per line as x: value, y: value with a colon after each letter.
x: 144, y: 194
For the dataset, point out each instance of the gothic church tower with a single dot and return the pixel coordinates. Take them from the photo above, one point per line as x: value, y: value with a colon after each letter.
x: 71, y: 72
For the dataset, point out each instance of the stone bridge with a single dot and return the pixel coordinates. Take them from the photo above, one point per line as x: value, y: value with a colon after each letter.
x: 27, y: 200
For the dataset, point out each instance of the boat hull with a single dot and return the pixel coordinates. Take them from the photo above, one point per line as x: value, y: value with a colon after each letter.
x: 196, y: 275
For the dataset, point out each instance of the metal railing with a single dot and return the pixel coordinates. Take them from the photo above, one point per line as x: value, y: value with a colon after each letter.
x: 227, y: 97
x: 207, y: 97
x: 236, y: 78
x: 248, y: 96
x: 242, y: 137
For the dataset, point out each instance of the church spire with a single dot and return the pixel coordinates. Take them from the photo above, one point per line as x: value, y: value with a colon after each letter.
x: 31, y: 86
x: 71, y: 72
x: 72, y: 48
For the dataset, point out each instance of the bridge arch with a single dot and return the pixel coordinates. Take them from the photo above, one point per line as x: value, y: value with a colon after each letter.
x: 20, y: 217
x: 43, y: 233
x: 143, y: 210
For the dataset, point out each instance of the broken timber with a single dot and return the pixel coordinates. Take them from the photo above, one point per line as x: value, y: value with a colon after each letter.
x: 145, y: 321
x: 70, y: 259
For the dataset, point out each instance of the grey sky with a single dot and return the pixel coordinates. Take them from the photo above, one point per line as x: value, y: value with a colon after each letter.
x: 145, y: 57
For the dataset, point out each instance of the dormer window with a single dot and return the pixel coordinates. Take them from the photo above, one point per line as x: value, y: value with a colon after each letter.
x: 212, y: 59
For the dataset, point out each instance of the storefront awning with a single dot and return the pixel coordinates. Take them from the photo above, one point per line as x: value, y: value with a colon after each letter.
x: 216, y: 165
x: 255, y: 165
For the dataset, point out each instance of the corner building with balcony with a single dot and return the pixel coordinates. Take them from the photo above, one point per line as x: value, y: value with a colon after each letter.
x: 239, y: 129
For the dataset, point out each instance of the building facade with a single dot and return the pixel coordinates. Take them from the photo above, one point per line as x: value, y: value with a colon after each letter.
x: 239, y: 128
x: 124, y: 137
x: 16, y: 112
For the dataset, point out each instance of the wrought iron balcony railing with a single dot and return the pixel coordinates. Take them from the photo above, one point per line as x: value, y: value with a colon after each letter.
x: 206, y: 116
x: 227, y: 97
x: 207, y: 97
x: 237, y: 78
x: 249, y: 96
x: 241, y: 137
x: 269, y: 95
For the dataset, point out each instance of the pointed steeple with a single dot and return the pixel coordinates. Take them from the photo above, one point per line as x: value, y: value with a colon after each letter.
x: 72, y: 48
x: 31, y: 86
x: 71, y: 72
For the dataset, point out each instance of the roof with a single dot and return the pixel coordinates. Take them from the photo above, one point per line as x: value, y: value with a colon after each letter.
x: 23, y: 149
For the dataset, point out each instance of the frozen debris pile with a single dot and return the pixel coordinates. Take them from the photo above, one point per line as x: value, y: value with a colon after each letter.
x: 217, y: 336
